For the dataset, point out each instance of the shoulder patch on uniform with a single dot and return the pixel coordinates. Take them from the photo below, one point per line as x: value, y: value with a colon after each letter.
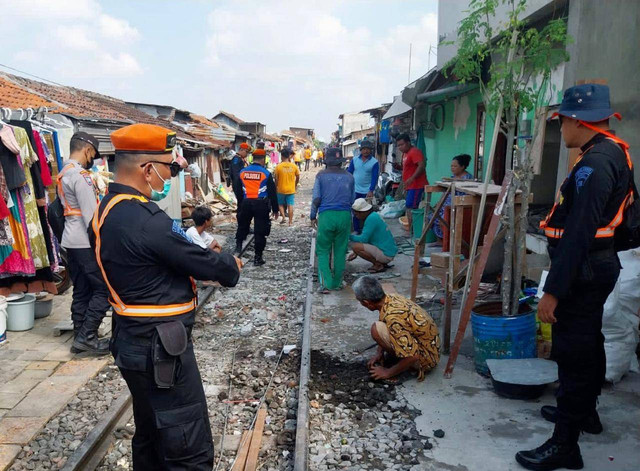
x: 87, y: 178
x: 177, y: 229
x: 582, y: 175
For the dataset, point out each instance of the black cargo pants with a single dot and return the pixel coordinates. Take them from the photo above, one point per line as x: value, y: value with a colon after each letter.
x: 172, y: 425
x: 259, y: 211
x: 90, y: 293
x: 578, y: 343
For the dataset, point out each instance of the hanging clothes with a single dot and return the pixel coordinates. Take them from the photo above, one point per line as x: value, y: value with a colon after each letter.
x: 19, y: 261
x: 9, y: 151
x: 31, y: 192
x: 43, y: 158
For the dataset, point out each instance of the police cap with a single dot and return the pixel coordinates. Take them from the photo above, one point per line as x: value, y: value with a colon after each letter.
x: 143, y: 139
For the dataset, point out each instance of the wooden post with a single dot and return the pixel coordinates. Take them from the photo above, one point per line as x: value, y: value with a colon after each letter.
x: 478, y: 269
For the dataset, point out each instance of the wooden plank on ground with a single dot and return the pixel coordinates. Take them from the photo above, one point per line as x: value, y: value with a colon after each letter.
x: 256, y: 441
x: 243, y: 450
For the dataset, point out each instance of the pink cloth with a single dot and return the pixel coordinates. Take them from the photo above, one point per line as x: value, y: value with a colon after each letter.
x: 45, y: 174
x: 9, y: 139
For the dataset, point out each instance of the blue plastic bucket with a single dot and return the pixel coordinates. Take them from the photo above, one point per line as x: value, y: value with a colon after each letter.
x: 495, y: 336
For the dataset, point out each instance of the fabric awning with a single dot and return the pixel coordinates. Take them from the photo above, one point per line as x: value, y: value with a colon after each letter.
x: 397, y: 108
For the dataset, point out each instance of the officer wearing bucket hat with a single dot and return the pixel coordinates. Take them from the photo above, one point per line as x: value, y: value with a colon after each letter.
x: 149, y: 264
x: 584, y: 268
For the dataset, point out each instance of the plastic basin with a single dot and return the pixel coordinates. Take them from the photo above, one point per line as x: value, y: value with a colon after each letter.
x: 21, y: 313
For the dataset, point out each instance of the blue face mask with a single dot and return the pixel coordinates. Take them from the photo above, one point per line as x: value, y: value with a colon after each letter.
x: 160, y: 195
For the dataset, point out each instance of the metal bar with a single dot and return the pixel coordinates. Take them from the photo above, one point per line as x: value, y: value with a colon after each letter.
x: 419, y: 246
x: 478, y: 269
x: 89, y: 454
x: 453, y: 235
x: 301, y: 452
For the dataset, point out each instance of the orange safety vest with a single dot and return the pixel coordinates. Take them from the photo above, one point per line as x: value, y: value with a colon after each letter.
x: 118, y: 305
x: 609, y: 229
x: 68, y: 210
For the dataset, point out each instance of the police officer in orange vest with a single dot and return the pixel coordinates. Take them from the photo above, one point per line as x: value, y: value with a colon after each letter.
x: 259, y: 200
x: 79, y: 197
x: 149, y: 265
x: 584, y: 269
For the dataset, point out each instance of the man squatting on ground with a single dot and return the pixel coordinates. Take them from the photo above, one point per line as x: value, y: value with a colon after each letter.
x: 407, y: 337
x: 376, y: 243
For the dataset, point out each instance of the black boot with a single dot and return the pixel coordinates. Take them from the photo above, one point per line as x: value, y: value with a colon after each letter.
x: 258, y: 260
x: 87, y: 341
x: 591, y: 424
x: 560, y: 451
x: 238, y: 249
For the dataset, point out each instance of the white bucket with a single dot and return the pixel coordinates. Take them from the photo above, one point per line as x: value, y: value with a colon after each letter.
x: 3, y: 319
x: 21, y: 313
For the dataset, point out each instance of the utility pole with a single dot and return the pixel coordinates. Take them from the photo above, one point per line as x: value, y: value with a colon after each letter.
x: 409, y: 77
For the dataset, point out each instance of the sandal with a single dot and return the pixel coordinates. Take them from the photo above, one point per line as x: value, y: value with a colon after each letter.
x: 373, y: 269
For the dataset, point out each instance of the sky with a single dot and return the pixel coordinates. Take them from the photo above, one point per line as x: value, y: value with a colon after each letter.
x: 280, y: 62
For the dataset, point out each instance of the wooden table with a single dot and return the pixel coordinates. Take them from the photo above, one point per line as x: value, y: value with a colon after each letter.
x: 452, y: 277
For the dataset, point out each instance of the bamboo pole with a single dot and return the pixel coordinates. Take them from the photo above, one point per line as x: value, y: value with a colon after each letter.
x: 483, y: 199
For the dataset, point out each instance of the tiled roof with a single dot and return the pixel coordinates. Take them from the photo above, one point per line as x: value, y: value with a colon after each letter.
x: 20, y: 92
x: 14, y: 96
x: 202, y: 120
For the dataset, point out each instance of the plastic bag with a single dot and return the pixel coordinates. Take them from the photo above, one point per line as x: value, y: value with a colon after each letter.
x: 393, y: 210
x: 195, y: 171
x: 620, y: 319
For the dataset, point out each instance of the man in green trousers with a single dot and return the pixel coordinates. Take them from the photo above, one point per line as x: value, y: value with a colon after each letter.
x: 333, y: 195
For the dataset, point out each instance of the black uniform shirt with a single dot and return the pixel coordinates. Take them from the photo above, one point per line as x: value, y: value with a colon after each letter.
x: 237, y: 164
x: 148, y: 260
x: 591, y: 197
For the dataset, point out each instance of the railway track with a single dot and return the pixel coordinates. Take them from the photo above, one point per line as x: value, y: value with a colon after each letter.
x: 98, y: 442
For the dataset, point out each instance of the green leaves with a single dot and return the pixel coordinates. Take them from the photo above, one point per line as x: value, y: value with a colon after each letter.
x: 539, y: 50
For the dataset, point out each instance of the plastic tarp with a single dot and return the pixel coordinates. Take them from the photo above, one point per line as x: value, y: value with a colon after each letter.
x: 620, y: 319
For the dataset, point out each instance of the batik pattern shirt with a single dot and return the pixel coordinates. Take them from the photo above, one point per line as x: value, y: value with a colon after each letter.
x: 413, y: 332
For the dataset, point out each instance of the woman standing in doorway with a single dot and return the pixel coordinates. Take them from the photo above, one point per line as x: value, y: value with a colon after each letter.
x: 459, y: 166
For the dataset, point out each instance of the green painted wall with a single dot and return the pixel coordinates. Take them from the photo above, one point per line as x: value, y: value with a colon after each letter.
x: 452, y: 140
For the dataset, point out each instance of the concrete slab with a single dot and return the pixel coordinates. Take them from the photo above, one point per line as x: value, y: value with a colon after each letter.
x: 484, y: 430
x: 48, y: 397
x: 43, y: 365
x: 9, y: 400
x: 8, y: 453
x: 20, y: 430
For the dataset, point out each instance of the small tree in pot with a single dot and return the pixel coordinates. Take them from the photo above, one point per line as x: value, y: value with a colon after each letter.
x: 505, y: 59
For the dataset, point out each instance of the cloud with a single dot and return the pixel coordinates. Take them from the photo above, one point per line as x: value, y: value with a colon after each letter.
x: 72, y: 38
x: 117, y: 29
x: 308, y: 57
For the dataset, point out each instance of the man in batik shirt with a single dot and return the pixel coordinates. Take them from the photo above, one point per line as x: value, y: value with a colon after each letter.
x: 405, y: 333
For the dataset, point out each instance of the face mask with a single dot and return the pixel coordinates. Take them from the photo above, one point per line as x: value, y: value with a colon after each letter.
x: 88, y: 164
x: 159, y: 195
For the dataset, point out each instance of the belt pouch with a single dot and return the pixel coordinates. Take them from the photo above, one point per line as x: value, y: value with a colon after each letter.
x: 169, y: 342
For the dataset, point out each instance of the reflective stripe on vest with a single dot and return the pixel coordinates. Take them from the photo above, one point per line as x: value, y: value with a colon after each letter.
x: 127, y: 309
x: 610, y: 229
x: 68, y: 210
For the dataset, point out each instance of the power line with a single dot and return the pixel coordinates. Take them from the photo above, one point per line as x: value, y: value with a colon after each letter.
x: 31, y: 75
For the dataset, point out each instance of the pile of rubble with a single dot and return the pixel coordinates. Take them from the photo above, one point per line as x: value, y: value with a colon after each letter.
x: 357, y: 424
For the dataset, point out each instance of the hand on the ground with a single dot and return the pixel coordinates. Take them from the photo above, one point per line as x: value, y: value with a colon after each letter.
x: 379, y: 372
x: 215, y: 246
x: 239, y: 263
x: 547, y: 307
x: 370, y: 194
x: 375, y: 359
x: 352, y: 256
